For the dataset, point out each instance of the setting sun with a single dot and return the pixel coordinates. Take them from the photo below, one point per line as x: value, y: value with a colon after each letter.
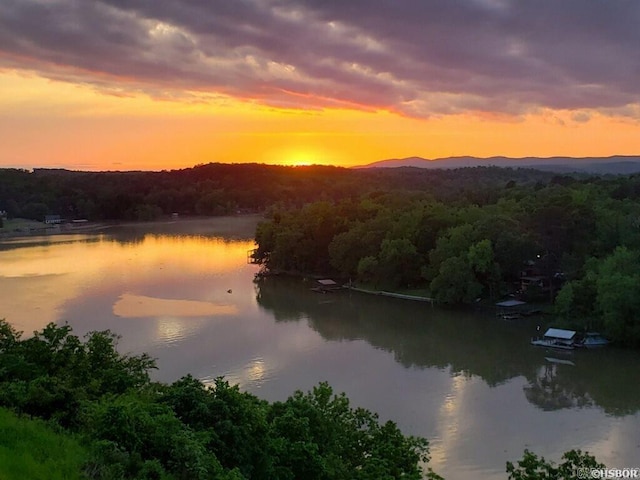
x: 299, y: 158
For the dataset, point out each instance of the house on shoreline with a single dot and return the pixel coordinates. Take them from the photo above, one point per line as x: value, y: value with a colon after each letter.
x: 52, y: 219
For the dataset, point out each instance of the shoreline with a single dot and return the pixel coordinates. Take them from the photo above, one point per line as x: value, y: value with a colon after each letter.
x: 39, y: 229
x: 384, y: 293
x: 50, y: 231
x: 348, y: 286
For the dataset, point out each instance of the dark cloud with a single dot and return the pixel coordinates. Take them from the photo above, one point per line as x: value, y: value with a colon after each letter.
x: 417, y: 57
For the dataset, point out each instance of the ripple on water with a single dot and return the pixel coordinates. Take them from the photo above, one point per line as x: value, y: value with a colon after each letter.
x: 250, y: 376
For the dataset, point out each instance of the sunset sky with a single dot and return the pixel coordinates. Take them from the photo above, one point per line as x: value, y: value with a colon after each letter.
x: 164, y: 84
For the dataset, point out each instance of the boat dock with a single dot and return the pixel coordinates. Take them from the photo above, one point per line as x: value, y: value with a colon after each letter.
x: 402, y: 296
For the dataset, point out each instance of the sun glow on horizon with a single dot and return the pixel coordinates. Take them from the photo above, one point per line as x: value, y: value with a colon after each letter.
x: 298, y: 157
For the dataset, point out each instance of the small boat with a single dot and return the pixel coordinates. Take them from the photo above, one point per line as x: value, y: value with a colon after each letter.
x: 556, y: 338
x: 592, y: 340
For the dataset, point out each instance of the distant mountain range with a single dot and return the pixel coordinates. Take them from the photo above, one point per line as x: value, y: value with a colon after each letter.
x: 615, y: 165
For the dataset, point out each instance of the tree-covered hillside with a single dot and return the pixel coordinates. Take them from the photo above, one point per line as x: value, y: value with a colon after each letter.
x: 219, y: 189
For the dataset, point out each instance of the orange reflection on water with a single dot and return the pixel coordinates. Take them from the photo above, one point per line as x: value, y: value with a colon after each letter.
x: 40, y: 276
x: 196, y: 253
x: 92, y: 258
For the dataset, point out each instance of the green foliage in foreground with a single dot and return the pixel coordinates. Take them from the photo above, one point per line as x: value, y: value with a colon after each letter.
x: 31, y: 449
x: 575, y: 465
x: 135, y: 428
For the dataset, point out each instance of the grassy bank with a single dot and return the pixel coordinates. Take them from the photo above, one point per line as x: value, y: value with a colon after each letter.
x: 32, y: 449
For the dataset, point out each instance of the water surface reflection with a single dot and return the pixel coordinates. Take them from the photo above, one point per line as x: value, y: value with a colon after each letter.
x: 464, y: 343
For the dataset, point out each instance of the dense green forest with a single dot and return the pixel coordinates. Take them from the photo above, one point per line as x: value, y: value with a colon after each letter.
x: 572, y: 241
x: 220, y: 189
x: 105, y: 419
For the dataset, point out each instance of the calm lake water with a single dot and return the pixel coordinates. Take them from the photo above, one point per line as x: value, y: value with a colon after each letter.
x: 471, y: 384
